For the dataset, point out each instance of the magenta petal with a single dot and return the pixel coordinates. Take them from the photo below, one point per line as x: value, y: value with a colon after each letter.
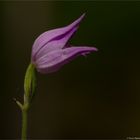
x: 75, y: 51
x: 55, y: 44
x: 55, y: 59
x: 46, y: 63
x: 44, y: 38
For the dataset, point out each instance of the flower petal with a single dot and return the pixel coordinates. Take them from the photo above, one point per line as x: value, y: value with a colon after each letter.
x: 55, y: 59
x: 55, y: 44
x: 50, y: 35
x: 46, y: 64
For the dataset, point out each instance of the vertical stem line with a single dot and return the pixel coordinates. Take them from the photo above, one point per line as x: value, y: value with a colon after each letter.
x: 29, y: 87
x: 24, y: 124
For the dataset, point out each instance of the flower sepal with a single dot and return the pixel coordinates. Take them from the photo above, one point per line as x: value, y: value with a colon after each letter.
x: 29, y: 83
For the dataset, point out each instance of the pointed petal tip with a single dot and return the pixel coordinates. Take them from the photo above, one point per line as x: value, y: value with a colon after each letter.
x: 83, y: 15
x: 95, y: 49
x: 92, y: 49
x: 77, y: 21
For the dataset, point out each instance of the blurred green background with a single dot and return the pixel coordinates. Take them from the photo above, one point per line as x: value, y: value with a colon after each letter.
x: 93, y: 97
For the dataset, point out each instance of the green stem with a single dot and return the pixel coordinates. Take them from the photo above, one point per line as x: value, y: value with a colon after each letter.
x: 24, y: 124
x: 29, y: 88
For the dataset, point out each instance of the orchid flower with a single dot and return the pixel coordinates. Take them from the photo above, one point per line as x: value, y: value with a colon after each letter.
x: 50, y: 50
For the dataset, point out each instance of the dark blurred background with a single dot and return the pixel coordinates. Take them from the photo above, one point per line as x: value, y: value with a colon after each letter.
x: 93, y: 97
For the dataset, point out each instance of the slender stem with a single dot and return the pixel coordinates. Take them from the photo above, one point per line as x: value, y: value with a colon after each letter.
x: 24, y: 124
x: 29, y: 88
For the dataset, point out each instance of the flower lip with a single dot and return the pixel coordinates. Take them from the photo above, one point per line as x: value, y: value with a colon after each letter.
x: 55, y: 59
